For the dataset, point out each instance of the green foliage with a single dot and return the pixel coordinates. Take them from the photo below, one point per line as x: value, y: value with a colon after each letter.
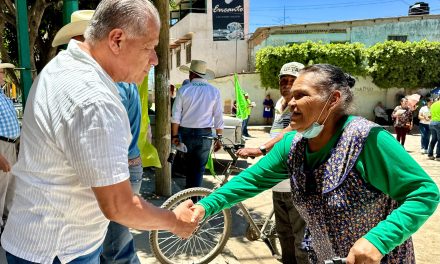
x: 405, y: 64
x: 269, y: 60
x: 390, y: 64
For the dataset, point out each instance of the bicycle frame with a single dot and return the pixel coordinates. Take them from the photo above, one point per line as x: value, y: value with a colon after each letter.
x: 232, y: 166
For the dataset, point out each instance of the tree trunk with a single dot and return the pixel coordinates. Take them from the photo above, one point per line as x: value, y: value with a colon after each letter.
x: 162, y: 101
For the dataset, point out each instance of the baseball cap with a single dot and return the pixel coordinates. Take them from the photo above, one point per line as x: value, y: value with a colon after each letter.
x: 291, y: 68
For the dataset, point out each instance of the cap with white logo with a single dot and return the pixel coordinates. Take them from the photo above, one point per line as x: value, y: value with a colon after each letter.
x: 291, y: 68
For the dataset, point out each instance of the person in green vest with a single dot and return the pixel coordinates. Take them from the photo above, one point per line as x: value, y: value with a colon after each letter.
x: 434, y: 127
x: 244, y: 126
x: 361, y: 194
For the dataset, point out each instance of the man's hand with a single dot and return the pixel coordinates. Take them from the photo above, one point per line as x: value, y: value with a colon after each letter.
x: 217, y: 145
x: 175, y: 141
x: 249, y: 152
x: 198, y: 213
x: 4, y: 164
x: 184, y: 225
x: 363, y: 252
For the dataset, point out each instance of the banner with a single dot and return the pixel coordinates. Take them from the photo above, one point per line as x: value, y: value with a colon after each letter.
x: 228, y: 20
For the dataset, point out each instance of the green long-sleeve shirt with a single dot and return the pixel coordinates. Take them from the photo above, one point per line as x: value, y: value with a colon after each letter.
x: 383, y: 163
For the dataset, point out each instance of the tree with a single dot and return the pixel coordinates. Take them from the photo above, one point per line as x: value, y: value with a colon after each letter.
x: 44, y: 19
x: 162, y: 97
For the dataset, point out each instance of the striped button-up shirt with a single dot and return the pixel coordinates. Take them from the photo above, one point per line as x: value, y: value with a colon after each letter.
x: 9, y: 126
x: 75, y: 136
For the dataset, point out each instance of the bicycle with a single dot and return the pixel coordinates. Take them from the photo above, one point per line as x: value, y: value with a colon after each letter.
x: 212, y: 234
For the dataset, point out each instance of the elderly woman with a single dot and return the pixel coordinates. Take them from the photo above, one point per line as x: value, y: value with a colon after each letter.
x: 403, y: 120
x: 360, y: 192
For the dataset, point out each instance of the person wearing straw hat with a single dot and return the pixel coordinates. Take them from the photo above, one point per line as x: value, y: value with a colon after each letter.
x: 196, y: 110
x: 72, y: 174
x: 9, y: 137
x: 290, y: 226
x: 118, y: 245
x: 79, y: 20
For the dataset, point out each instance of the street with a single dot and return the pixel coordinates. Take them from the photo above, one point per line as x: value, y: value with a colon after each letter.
x: 240, y: 250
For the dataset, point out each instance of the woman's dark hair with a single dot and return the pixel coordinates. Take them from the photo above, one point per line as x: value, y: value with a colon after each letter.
x: 330, y: 78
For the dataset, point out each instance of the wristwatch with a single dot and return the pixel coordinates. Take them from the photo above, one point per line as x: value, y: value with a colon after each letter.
x: 263, y: 150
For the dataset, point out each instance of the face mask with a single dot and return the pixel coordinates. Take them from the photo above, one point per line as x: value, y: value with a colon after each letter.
x: 315, y: 129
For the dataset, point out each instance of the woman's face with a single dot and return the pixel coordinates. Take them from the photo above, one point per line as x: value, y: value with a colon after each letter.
x: 404, y: 103
x: 307, y: 103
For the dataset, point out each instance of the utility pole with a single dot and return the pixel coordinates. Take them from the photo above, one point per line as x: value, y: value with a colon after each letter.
x: 284, y: 16
x: 162, y: 131
x: 69, y: 6
x: 24, y: 53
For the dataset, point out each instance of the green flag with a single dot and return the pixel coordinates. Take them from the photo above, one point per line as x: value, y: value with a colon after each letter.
x: 210, y: 165
x: 149, y: 155
x: 242, y: 104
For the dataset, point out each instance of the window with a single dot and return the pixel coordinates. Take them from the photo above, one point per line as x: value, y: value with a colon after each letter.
x: 398, y: 38
x: 293, y: 43
x: 338, y: 42
x: 188, y: 53
x: 178, y: 58
x: 171, y: 59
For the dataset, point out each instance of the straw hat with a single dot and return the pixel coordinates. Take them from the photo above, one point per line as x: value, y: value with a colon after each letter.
x: 198, y: 67
x: 79, y: 20
x: 7, y: 66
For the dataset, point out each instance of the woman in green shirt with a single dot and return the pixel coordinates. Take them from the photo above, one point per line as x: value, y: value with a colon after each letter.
x: 360, y: 192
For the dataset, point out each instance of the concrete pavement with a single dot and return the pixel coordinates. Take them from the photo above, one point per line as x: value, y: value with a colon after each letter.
x: 240, y: 250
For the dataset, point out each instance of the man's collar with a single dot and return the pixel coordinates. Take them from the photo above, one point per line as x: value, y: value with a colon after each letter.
x: 199, y: 80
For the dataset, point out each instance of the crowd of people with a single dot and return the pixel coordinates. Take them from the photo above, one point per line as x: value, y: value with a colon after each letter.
x: 342, y: 185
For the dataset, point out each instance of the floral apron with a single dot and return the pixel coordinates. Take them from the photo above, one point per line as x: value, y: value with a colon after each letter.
x: 335, y: 201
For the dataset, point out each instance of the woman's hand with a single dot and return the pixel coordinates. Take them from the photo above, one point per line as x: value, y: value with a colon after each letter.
x: 198, y: 213
x: 363, y: 252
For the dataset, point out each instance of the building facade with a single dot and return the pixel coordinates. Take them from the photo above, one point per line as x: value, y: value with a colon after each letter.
x: 211, y: 30
x: 367, y: 31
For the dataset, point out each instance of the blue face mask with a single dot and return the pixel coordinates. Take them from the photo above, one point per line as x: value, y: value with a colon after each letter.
x: 315, y: 129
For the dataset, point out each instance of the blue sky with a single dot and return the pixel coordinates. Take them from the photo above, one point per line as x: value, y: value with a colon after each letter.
x: 278, y: 12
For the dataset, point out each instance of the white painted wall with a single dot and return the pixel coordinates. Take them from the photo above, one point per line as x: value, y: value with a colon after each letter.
x: 251, y: 84
x: 366, y: 95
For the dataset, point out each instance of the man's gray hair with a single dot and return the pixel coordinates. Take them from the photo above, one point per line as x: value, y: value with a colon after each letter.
x: 129, y: 15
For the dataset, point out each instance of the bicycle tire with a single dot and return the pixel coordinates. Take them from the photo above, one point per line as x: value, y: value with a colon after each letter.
x: 212, y: 234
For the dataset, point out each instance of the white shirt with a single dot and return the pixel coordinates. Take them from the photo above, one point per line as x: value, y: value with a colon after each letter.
x: 75, y: 136
x: 425, y: 112
x: 380, y: 112
x: 198, y: 105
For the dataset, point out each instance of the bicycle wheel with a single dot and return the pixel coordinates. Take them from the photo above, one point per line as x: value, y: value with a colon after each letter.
x: 204, y: 245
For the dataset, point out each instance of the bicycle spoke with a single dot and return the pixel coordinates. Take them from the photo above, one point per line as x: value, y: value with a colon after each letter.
x: 203, y: 246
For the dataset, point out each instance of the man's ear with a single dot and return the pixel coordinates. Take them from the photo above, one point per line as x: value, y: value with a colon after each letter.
x: 115, y: 38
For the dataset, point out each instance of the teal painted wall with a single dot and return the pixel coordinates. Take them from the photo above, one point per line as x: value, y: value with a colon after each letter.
x: 280, y: 40
x: 415, y: 30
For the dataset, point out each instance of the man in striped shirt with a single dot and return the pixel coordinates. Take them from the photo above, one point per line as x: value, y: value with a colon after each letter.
x: 72, y: 173
x: 9, y: 133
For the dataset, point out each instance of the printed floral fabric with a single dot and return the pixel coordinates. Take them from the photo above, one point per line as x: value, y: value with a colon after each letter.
x: 335, y: 201
x: 402, y: 119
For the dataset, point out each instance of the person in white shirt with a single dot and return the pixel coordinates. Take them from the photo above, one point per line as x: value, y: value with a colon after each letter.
x: 196, y: 110
x: 425, y: 120
x: 72, y: 172
x: 290, y: 225
x: 380, y: 115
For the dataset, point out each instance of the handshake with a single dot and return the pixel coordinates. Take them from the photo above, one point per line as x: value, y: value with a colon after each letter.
x: 188, y: 215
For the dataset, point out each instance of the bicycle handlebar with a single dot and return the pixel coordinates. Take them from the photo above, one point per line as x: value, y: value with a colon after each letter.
x: 336, y: 260
x: 229, y: 148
